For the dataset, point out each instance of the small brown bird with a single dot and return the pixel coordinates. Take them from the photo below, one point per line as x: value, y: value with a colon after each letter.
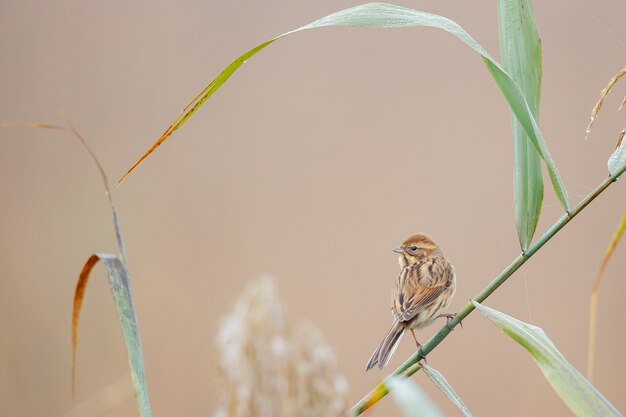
x: 425, y: 286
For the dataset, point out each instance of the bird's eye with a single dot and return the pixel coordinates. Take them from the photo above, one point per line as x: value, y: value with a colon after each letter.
x: 413, y: 248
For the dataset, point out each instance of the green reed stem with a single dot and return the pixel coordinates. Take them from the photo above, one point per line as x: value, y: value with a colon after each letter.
x: 412, y: 365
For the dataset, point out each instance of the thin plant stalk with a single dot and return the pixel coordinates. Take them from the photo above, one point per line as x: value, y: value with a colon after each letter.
x: 412, y: 364
x: 593, y: 305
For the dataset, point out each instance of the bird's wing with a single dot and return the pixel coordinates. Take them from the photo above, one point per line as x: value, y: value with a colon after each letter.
x: 415, y: 292
x: 422, y: 298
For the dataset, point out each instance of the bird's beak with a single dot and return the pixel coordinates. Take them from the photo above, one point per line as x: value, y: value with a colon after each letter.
x: 398, y: 249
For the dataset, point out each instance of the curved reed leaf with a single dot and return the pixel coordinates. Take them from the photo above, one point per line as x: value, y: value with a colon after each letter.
x: 383, y: 15
x: 578, y: 393
x: 117, y: 275
x: 79, y: 295
x: 440, y: 382
x: 119, y: 282
x: 521, y: 58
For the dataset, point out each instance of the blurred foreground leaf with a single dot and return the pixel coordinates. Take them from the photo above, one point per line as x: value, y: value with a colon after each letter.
x: 578, y: 393
x: 440, y: 382
x: 384, y: 15
x: 521, y: 58
x: 593, y: 305
x: 411, y: 399
x: 104, y: 401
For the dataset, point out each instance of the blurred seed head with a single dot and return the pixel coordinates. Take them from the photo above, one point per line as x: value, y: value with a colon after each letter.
x: 271, y: 367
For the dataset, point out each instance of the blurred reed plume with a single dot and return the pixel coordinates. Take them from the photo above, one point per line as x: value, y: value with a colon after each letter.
x: 270, y: 366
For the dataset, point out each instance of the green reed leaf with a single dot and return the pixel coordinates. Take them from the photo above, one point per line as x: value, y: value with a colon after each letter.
x: 440, y: 382
x: 383, y: 15
x: 618, y: 157
x: 578, y: 393
x: 521, y: 57
x: 117, y: 275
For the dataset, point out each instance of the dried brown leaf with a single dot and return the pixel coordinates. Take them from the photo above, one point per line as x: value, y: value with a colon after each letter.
x: 605, y: 92
x: 593, y: 309
x: 171, y: 128
x: 105, y: 181
x: 79, y: 294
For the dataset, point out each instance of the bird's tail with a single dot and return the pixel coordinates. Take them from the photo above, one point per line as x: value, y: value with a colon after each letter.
x: 383, y: 353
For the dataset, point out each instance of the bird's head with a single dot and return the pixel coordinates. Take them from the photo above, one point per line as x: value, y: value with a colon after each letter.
x: 416, y: 249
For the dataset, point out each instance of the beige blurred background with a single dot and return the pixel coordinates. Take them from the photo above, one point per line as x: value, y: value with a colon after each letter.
x: 313, y: 161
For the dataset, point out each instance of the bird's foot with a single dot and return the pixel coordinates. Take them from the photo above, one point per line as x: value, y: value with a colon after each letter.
x: 449, y: 317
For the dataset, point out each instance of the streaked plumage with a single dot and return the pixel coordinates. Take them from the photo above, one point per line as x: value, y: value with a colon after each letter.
x: 424, y: 287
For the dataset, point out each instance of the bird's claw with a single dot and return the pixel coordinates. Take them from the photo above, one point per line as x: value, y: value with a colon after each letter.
x: 449, y: 318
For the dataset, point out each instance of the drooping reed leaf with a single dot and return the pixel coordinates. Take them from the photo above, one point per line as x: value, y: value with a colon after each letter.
x: 578, y: 393
x: 412, y: 401
x: 593, y: 304
x: 383, y: 15
x: 521, y: 58
x: 440, y: 382
x: 117, y: 275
